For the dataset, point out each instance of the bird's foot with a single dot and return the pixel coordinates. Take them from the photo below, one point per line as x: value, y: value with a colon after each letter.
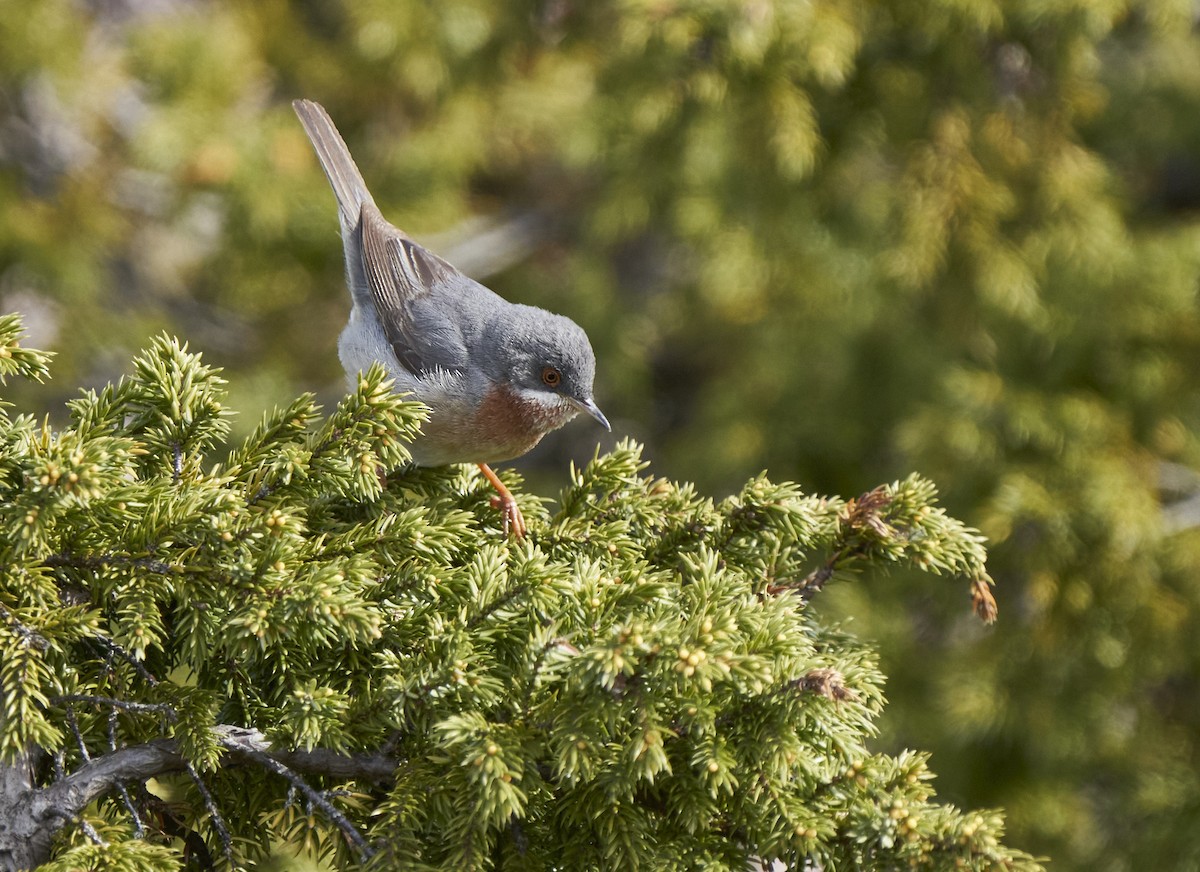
x: 512, y: 519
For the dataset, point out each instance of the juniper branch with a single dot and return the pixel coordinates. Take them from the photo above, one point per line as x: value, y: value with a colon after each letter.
x: 49, y: 807
x: 215, y: 813
x: 273, y: 764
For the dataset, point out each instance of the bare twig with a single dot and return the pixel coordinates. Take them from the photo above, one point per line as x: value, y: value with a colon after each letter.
x: 272, y: 764
x: 160, y: 708
x: 74, y: 725
x: 138, y: 830
x: 99, y: 561
x: 113, y: 648
x: 69, y: 795
x: 218, y: 822
x: 89, y: 830
x: 81, y: 822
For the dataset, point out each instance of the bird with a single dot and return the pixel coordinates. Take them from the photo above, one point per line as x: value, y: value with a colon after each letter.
x: 496, y: 376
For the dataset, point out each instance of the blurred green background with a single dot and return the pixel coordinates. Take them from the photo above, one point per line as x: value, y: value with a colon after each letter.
x: 837, y: 240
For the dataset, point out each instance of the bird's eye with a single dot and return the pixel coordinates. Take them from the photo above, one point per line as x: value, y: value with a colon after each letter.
x: 551, y: 377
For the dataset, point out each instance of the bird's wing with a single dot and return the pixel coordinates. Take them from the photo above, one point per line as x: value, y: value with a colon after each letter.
x: 405, y: 280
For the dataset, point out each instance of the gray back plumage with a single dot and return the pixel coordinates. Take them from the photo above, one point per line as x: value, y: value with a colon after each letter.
x: 434, y: 317
x: 402, y: 283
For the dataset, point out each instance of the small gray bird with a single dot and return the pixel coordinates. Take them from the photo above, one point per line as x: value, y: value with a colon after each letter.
x: 496, y: 376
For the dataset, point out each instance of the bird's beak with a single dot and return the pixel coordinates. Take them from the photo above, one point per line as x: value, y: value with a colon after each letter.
x: 589, y: 406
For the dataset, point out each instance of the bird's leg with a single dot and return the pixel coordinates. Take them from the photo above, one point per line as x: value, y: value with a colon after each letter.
x: 514, y: 521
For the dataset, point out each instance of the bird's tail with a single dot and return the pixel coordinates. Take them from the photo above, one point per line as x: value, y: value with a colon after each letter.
x: 348, y: 185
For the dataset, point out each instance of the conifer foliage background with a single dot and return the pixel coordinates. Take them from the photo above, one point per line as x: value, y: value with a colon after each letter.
x: 200, y: 659
x: 840, y: 240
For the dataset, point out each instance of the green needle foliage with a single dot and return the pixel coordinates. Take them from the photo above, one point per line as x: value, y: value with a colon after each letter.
x: 638, y: 685
x: 838, y: 239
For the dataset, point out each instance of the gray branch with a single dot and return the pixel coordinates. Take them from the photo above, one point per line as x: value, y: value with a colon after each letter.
x: 29, y: 816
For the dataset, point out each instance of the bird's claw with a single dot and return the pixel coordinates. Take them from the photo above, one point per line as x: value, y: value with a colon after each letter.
x: 514, y: 521
x: 510, y: 514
